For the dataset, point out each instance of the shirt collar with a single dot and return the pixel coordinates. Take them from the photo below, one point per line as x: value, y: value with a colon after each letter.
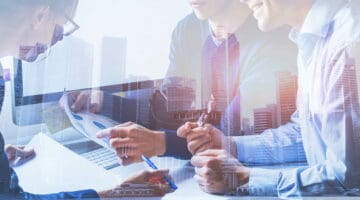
x: 217, y: 41
x: 318, y: 20
x: 249, y: 26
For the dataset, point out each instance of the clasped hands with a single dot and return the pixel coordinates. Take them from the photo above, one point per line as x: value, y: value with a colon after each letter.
x: 217, y: 169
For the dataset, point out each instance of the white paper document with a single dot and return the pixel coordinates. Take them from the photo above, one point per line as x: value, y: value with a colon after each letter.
x: 89, y: 124
x: 56, y: 169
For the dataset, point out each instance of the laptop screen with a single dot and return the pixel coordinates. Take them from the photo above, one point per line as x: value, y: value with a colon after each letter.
x: 38, y: 86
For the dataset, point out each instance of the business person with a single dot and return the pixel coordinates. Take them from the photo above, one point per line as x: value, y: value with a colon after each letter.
x: 27, y: 29
x: 327, y: 33
x: 217, y: 45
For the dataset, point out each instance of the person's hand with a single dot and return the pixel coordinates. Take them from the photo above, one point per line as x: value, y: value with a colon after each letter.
x: 90, y: 100
x: 218, y: 172
x: 17, y: 155
x: 131, y: 140
x: 200, y: 139
x: 144, y: 184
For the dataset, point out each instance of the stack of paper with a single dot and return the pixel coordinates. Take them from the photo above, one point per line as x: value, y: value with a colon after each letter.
x: 56, y: 168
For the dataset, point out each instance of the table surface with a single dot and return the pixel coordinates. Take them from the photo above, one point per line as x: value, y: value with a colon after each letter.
x: 181, y: 171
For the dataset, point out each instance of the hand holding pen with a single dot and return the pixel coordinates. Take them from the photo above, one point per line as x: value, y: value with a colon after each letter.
x: 153, y: 166
x: 201, y: 135
x: 204, y: 117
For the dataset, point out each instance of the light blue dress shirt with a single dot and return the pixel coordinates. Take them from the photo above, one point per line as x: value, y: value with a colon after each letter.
x: 327, y: 121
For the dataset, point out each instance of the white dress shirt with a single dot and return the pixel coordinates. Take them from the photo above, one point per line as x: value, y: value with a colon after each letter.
x: 327, y: 121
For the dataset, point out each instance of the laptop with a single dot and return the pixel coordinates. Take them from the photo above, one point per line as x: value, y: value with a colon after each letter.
x: 36, y: 89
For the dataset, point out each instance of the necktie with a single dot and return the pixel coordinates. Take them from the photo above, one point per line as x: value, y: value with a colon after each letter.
x: 222, y: 62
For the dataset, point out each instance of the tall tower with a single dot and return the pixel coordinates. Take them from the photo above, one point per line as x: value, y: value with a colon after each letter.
x: 265, y: 118
x: 286, y: 96
x: 180, y: 94
x: 113, y: 60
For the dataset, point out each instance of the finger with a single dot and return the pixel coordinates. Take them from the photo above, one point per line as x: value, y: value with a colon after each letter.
x: 104, y: 133
x: 130, y: 160
x: 125, y: 124
x: 61, y: 102
x: 205, y: 172
x: 80, y: 102
x: 186, y: 128
x: 203, y: 148
x: 114, y: 132
x: 200, y: 143
x: 200, y: 161
x: 25, y: 153
x: 163, y: 178
x: 213, y: 152
x: 96, y: 99
x: 157, y: 177
x: 128, y: 129
x: 203, y: 182
x: 9, y: 148
x: 18, y: 151
x: 95, y: 108
x: 195, y: 133
x: 10, y: 151
x: 21, y: 156
x: 213, y: 189
x: 122, y: 143
x: 127, y: 152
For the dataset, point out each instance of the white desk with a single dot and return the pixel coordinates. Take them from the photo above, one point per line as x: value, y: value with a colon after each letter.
x: 182, y: 173
x: 59, y: 169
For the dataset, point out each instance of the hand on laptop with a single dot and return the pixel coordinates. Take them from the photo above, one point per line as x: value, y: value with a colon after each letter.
x: 200, y: 139
x: 17, y: 155
x: 90, y: 100
x: 218, y: 172
x: 153, y: 182
x: 131, y: 140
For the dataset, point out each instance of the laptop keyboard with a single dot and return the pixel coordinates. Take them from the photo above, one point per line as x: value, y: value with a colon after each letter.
x: 103, y: 157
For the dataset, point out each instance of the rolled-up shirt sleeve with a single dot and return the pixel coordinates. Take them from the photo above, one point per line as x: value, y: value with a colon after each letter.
x: 273, y: 146
x: 334, y: 160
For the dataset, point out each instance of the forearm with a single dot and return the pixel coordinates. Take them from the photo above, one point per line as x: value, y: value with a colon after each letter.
x: 274, y: 146
x: 297, y: 182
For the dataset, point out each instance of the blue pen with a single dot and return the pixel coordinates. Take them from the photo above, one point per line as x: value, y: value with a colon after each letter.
x: 153, y: 166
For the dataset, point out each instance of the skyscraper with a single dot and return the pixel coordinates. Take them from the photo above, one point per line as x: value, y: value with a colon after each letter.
x: 350, y: 86
x: 246, y: 127
x: 180, y: 94
x: 141, y: 99
x: 113, y: 60
x: 350, y: 90
x: 265, y: 118
x: 286, y: 96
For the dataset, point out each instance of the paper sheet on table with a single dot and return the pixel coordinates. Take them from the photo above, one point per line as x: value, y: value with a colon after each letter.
x: 56, y: 169
x: 89, y: 124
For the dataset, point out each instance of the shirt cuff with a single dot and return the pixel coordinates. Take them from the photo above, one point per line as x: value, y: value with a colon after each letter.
x: 263, y: 182
x: 176, y: 146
